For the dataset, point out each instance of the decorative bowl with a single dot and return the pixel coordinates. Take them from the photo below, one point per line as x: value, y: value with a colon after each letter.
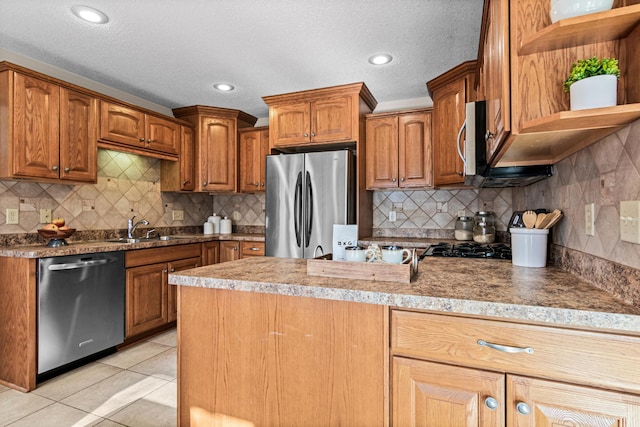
x: 56, y: 234
x: 563, y: 9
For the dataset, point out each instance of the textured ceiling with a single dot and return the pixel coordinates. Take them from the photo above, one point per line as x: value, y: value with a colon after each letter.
x: 170, y: 52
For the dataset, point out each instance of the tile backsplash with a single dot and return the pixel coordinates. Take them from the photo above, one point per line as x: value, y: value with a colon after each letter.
x: 127, y: 185
x: 604, y: 173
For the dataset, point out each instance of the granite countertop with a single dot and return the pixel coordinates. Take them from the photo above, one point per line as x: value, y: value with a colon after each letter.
x: 493, y: 288
x: 85, y: 247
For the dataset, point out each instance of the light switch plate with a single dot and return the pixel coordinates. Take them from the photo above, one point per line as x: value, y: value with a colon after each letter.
x: 589, y: 219
x: 629, y: 217
x: 12, y: 216
x: 392, y: 216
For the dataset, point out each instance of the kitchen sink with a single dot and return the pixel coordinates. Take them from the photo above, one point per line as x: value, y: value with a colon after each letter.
x: 173, y: 237
x: 126, y: 240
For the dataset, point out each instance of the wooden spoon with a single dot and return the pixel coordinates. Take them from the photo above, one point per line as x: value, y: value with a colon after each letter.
x: 529, y: 219
x: 539, y: 219
x: 556, y: 217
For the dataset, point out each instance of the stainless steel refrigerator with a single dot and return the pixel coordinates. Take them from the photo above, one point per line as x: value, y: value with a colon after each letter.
x: 306, y: 194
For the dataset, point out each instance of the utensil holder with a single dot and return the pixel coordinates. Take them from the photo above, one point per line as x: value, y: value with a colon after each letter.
x: 529, y: 247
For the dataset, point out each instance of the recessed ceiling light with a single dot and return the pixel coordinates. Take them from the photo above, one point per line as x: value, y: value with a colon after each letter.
x: 381, y: 59
x: 224, y: 87
x: 90, y: 14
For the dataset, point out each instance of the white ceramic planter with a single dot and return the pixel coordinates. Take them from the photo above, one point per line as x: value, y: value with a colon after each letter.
x: 594, y: 92
x: 563, y: 9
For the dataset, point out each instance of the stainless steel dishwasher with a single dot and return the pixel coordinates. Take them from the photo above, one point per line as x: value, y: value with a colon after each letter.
x: 81, y: 307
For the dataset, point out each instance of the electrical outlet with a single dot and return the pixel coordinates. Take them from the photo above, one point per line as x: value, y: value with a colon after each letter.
x: 392, y: 216
x: 589, y: 219
x: 396, y: 206
x: 12, y: 216
x: 45, y: 216
x: 177, y: 215
x: 236, y: 216
x: 462, y: 213
x: 629, y: 216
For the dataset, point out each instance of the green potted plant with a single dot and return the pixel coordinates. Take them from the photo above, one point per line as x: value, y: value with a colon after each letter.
x: 593, y: 83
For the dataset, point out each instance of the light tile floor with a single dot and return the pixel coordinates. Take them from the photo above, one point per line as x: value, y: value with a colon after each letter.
x: 135, y: 387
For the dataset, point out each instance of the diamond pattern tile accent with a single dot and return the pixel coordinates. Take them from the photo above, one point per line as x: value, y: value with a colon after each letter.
x: 605, y: 174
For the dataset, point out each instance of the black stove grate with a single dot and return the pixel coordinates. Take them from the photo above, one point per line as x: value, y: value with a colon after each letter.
x: 469, y: 250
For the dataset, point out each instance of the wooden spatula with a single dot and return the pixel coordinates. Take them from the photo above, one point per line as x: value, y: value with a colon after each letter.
x: 529, y: 219
x: 539, y: 219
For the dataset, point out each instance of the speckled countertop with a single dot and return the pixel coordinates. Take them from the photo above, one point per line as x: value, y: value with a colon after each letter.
x: 85, y: 247
x: 493, y: 288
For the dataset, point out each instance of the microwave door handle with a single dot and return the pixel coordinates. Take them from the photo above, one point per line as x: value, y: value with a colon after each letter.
x: 309, y: 223
x: 462, y: 128
x: 297, y: 208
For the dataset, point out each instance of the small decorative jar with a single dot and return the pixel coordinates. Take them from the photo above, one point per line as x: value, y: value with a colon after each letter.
x: 464, y: 228
x: 484, y: 230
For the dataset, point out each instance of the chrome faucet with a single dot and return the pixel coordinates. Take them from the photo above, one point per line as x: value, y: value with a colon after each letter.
x: 131, y: 227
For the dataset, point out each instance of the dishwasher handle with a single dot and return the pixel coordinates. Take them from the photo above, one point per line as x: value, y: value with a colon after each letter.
x: 81, y: 264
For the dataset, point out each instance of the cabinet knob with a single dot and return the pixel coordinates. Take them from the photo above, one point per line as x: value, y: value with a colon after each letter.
x: 54, y: 167
x: 491, y: 402
x: 149, y: 141
x: 523, y: 408
x: 165, y: 271
x: 393, y: 180
x: 262, y: 184
x: 489, y: 135
x: 235, y: 248
x: 305, y: 135
x: 460, y: 173
x: 204, y: 184
x: 402, y: 179
x: 185, y: 182
x: 141, y: 139
x: 257, y: 184
x: 313, y: 134
x: 67, y: 169
x: 173, y: 269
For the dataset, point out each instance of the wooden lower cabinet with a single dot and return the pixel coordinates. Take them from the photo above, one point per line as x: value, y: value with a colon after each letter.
x: 229, y: 250
x: 210, y: 253
x: 450, y: 371
x: 434, y: 394
x: 249, y: 249
x: 150, y: 301
x: 257, y: 359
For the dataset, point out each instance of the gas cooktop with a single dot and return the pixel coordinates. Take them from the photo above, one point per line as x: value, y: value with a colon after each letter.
x: 469, y: 250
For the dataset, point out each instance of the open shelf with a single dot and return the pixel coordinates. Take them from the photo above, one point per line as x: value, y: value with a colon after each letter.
x: 594, y: 118
x: 610, y: 25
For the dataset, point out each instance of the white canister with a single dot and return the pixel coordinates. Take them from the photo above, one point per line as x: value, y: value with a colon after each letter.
x: 529, y: 246
x: 208, y: 228
x: 225, y: 226
x: 215, y: 220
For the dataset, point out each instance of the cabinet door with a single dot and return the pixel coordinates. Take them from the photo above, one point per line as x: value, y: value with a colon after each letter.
x: 218, y: 154
x: 534, y: 402
x: 78, y: 136
x: 162, y: 135
x: 210, y: 253
x: 36, y: 113
x: 181, y: 175
x: 331, y: 120
x: 495, y: 74
x: 414, y: 150
x: 433, y: 394
x: 382, y: 152
x: 146, y: 298
x: 448, y: 117
x: 172, y: 300
x: 121, y: 124
x: 229, y: 250
x: 253, y: 149
x: 290, y: 124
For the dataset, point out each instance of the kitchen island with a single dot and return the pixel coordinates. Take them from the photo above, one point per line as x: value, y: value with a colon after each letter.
x: 260, y: 341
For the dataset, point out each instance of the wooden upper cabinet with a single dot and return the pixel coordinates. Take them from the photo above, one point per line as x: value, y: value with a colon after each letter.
x: 216, y: 144
x: 399, y: 150
x: 181, y: 175
x: 121, y: 124
x: 48, y: 132
x: 253, y: 150
x: 450, y: 92
x: 78, y: 136
x: 325, y: 120
x: 525, y: 59
x: 141, y: 133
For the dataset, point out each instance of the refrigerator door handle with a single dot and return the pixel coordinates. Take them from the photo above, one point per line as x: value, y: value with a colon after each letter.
x: 297, y: 208
x: 309, y: 224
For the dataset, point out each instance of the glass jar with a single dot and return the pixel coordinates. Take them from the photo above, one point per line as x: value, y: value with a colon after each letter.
x: 484, y: 230
x: 464, y: 228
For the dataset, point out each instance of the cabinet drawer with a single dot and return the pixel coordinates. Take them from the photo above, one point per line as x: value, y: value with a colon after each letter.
x: 252, y: 249
x: 163, y: 254
x: 583, y: 357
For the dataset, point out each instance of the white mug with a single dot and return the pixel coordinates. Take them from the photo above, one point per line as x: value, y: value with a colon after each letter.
x: 356, y: 254
x: 395, y: 254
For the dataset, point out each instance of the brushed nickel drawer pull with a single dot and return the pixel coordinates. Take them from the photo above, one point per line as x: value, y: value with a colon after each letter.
x: 506, y: 348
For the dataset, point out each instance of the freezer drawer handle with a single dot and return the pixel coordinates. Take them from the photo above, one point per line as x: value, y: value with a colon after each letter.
x: 76, y: 265
x: 505, y: 348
